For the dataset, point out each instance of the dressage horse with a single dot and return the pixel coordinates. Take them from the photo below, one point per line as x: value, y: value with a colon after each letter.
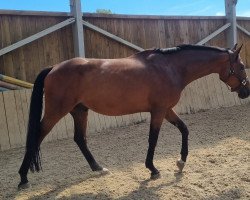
x: 148, y: 81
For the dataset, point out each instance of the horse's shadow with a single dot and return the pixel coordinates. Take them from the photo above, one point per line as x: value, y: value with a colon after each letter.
x: 144, y: 191
x: 150, y: 192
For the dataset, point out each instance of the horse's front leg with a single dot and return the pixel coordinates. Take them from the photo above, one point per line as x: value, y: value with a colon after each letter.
x: 173, y: 118
x: 155, y: 125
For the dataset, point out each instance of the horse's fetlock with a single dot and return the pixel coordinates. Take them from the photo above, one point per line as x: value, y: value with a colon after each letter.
x: 149, y: 165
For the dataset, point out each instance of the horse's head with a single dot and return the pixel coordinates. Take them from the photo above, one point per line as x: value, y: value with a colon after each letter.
x: 234, y: 74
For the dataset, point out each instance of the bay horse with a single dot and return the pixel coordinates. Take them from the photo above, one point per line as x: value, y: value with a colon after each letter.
x: 148, y: 81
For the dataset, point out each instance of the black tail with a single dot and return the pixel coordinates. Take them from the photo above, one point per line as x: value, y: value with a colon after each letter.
x: 33, y: 134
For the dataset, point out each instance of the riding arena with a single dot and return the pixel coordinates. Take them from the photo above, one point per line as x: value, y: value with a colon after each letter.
x: 109, y: 106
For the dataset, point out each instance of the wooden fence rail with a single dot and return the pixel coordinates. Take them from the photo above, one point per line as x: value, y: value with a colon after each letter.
x: 205, y: 93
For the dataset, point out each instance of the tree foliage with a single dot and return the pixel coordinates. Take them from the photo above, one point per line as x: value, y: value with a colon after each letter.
x: 104, y: 11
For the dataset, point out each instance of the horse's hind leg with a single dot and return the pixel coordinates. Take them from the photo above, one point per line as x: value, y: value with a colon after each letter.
x: 47, y: 123
x: 173, y: 118
x: 23, y: 171
x: 80, y: 114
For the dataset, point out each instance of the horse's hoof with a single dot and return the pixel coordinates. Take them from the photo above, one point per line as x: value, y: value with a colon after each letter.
x: 180, y: 164
x: 102, y: 171
x: 155, y: 176
x: 22, y: 186
x: 105, y: 171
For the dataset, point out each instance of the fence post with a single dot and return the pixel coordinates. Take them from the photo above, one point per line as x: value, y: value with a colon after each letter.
x: 75, y: 9
x: 230, y: 10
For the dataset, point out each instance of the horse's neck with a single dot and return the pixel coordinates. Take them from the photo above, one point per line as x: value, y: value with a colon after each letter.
x: 195, y: 68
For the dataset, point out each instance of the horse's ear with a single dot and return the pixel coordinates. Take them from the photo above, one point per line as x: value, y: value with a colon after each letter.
x: 236, y: 53
x: 235, y: 47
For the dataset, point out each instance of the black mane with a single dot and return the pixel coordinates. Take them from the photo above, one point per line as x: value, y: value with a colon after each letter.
x: 188, y: 47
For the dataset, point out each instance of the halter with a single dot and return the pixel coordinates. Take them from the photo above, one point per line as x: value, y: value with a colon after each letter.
x: 243, y: 81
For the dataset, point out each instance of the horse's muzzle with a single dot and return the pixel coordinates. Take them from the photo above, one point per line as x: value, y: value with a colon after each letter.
x: 243, y: 92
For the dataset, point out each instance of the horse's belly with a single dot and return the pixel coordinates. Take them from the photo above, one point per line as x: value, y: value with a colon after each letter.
x: 117, y: 106
x: 116, y: 111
